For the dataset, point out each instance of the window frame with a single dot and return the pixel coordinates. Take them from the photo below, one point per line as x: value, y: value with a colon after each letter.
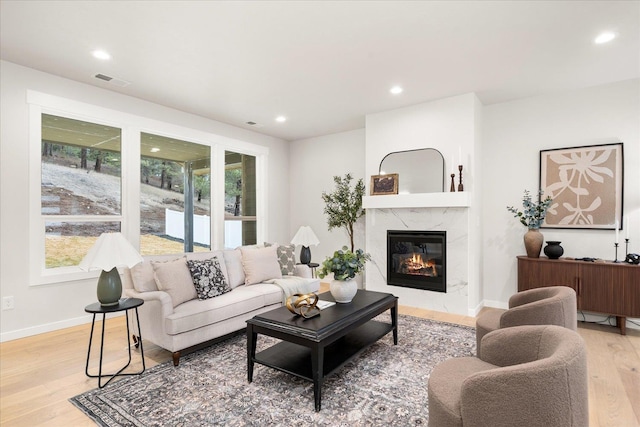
x: 131, y: 127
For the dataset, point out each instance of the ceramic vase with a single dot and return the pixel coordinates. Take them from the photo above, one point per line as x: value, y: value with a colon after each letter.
x: 553, y: 249
x: 343, y: 291
x: 533, y: 240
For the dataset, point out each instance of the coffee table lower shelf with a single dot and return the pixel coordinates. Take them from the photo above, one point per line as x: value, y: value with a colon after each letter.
x: 295, y: 359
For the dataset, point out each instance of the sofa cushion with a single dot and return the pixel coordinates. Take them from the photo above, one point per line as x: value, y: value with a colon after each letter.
x: 208, y: 278
x: 174, y: 278
x: 199, y: 256
x: 243, y: 299
x: 286, y: 258
x: 143, y: 278
x: 260, y: 264
x: 233, y: 263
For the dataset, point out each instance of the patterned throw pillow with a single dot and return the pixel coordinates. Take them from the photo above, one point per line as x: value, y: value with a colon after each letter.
x: 208, y: 278
x: 286, y: 258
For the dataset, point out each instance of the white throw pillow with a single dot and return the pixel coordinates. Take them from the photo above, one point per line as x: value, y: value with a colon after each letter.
x: 174, y: 278
x: 260, y: 264
x: 233, y: 263
x: 142, y: 277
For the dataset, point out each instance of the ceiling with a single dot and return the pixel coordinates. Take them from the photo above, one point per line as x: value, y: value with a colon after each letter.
x: 324, y: 65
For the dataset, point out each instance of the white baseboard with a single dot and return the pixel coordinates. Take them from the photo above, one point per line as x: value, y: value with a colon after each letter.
x: 496, y: 304
x: 48, y: 327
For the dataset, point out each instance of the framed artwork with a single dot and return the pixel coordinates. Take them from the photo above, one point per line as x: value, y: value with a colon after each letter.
x: 585, y: 184
x: 384, y: 184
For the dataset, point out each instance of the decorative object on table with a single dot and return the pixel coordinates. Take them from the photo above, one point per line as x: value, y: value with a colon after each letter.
x: 344, y: 206
x: 305, y: 237
x: 453, y: 185
x: 553, y: 250
x: 532, y: 216
x: 110, y: 251
x: 585, y: 184
x: 460, y: 186
x: 304, y: 305
x: 384, y: 184
x: 632, y: 259
x: 344, y: 264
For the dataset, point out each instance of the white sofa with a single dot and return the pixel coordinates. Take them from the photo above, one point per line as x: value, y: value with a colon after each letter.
x: 256, y: 287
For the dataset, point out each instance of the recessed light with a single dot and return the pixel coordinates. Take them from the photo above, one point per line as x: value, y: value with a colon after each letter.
x: 396, y: 90
x: 155, y: 149
x: 101, y: 54
x: 281, y: 119
x: 605, y: 37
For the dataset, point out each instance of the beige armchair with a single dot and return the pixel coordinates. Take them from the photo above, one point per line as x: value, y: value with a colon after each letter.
x: 553, y: 305
x: 534, y: 376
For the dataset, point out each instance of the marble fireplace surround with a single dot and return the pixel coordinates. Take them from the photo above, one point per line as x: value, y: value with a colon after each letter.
x: 429, y: 211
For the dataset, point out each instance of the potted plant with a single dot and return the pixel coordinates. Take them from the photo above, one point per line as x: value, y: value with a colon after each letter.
x: 344, y: 206
x: 532, y: 216
x: 344, y: 264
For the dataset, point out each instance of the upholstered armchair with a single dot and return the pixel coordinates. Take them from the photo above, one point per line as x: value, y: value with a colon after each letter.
x: 553, y: 305
x: 534, y: 376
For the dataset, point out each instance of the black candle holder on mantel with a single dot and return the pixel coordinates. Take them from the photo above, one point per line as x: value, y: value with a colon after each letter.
x: 460, y: 186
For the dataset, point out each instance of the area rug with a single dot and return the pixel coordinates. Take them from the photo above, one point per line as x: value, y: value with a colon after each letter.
x: 386, y: 385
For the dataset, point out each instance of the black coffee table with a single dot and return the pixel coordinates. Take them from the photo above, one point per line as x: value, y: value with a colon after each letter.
x: 315, y: 348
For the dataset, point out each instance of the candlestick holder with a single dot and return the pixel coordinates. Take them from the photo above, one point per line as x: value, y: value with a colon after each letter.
x: 460, y: 186
x: 626, y: 247
x: 616, y: 260
x: 453, y: 185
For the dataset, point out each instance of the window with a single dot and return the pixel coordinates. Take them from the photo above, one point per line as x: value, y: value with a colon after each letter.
x: 80, y: 195
x: 175, y: 196
x: 240, y: 200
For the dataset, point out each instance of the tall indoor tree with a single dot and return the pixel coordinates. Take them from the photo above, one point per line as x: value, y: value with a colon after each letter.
x: 343, y: 206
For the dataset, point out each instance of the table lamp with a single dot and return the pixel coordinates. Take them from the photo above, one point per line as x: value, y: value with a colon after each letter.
x: 305, y: 237
x: 110, y: 251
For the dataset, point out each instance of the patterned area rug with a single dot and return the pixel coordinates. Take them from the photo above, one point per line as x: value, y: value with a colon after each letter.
x: 386, y: 385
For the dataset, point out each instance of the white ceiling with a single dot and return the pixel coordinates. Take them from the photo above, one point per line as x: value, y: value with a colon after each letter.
x: 323, y: 64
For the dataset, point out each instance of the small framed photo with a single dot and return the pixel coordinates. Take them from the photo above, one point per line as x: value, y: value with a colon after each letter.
x: 384, y: 184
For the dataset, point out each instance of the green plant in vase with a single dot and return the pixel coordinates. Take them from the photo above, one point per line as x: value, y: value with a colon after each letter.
x: 532, y: 216
x: 344, y: 264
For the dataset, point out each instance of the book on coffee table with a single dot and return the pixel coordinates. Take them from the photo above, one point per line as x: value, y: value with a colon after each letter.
x: 322, y: 304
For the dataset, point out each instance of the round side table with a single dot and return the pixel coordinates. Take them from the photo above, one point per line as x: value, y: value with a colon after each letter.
x: 125, y: 305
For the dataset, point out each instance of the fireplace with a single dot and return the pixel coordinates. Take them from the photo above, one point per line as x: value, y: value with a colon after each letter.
x: 417, y: 259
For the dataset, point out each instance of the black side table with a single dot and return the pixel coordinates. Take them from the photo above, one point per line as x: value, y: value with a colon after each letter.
x: 313, y: 266
x: 125, y: 305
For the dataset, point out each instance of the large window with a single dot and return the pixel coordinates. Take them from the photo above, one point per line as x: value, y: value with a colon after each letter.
x: 80, y: 186
x: 175, y: 195
x: 240, y: 200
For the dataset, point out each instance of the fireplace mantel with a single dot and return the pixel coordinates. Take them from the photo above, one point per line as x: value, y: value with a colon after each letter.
x: 421, y: 200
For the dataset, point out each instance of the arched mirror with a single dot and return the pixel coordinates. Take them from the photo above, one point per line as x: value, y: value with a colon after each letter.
x: 419, y: 171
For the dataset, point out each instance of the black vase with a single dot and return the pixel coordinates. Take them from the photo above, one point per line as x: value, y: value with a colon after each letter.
x: 553, y: 249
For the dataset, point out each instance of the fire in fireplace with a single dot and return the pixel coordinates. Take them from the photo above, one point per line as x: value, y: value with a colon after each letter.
x: 417, y: 259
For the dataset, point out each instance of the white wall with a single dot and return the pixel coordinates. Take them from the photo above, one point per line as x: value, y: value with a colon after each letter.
x: 47, y: 307
x: 314, y: 163
x: 514, y: 134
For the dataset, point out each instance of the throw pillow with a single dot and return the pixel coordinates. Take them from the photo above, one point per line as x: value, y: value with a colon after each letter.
x: 208, y: 278
x: 260, y: 264
x: 233, y: 262
x: 174, y: 278
x: 142, y: 277
x: 286, y: 258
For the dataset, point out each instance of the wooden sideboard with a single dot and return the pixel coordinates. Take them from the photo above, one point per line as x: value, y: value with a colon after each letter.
x: 601, y: 287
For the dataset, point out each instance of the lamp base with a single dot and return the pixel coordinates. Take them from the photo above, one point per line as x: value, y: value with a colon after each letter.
x: 109, y: 287
x: 305, y: 255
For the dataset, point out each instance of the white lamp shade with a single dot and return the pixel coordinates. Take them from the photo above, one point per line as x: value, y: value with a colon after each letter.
x: 110, y: 250
x: 305, y: 237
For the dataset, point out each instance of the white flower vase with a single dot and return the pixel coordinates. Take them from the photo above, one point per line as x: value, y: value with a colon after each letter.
x: 343, y: 291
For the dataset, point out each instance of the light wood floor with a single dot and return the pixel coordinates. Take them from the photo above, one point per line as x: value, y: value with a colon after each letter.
x: 39, y: 373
